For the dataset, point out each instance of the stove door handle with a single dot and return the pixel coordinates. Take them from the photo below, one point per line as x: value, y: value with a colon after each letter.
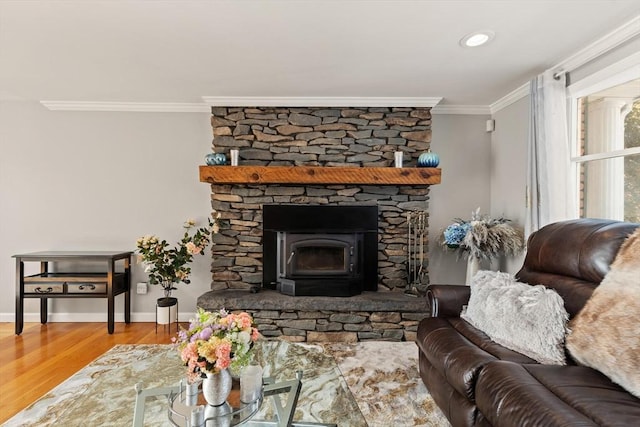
x: 290, y: 257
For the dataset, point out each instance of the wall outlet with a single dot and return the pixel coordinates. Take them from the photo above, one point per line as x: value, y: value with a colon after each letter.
x: 141, y: 288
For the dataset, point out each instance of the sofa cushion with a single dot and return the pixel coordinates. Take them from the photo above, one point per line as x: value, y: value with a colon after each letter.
x: 581, y: 248
x: 509, y: 394
x: 605, y: 335
x: 528, y: 319
x: 572, y: 257
x: 458, y: 351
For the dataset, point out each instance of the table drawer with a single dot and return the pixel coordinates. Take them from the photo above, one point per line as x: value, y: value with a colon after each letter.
x: 86, y: 288
x: 44, y: 288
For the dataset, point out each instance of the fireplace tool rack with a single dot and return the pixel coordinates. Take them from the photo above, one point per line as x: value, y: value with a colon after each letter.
x: 416, y: 242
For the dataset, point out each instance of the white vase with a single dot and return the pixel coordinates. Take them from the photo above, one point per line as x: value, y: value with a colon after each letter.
x: 216, y: 387
x: 473, y: 265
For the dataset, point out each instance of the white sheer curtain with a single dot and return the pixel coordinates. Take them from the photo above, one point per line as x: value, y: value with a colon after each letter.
x: 550, y: 187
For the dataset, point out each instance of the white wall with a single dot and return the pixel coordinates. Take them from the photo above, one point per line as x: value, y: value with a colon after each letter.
x: 465, y: 158
x: 508, y: 169
x: 98, y: 180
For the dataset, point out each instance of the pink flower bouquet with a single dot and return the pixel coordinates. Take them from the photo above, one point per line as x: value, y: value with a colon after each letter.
x: 216, y: 341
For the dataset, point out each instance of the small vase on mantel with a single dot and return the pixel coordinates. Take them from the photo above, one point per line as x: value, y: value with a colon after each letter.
x: 473, y: 265
x: 428, y: 160
x: 215, y: 159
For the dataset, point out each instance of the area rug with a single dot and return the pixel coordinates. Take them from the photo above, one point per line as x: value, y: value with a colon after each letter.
x: 384, y: 379
x: 367, y: 384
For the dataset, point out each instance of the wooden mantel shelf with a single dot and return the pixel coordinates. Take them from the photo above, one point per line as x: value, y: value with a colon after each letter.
x: 319, y: 175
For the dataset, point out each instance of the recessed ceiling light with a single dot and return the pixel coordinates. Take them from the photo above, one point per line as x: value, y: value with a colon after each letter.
x: 477, y: 38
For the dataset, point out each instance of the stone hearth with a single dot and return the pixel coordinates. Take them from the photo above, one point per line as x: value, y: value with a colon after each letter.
x: 390, y: 316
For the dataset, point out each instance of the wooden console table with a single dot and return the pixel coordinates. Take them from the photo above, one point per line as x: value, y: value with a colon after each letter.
x: 47, y: 284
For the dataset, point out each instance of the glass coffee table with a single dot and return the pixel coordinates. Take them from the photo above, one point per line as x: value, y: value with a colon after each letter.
x: 187, y: 410
x: 302, y: 387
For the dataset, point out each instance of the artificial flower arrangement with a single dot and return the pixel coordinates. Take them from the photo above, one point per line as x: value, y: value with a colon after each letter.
x: 482, y: 237
x: 170, y: 265
x: 216, y: 341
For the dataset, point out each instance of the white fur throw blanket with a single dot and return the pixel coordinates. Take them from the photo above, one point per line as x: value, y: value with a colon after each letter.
x: 605, y: 334
x: 528, y: 319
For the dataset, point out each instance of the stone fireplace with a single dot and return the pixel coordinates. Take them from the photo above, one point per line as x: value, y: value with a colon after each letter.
x: 328, y: 138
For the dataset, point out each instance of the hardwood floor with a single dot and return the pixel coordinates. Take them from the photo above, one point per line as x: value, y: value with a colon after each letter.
x: 43, y: 356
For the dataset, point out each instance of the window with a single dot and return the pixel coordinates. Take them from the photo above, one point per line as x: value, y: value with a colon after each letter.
x: 606, y: 152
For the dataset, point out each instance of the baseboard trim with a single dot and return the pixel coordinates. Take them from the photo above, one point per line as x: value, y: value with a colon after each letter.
x: 88, y: 317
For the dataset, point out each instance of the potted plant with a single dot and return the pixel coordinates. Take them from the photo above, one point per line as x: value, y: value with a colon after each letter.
x: 169, y: 265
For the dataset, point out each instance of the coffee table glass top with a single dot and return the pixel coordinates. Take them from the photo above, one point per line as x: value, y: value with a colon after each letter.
x: 324, y: 396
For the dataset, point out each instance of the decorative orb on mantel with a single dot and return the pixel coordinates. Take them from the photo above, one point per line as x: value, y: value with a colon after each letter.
x: 215, y: 159
x: 428, y: 160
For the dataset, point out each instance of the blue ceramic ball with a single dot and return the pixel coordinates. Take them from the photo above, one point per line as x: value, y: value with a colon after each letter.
x: 215, y: 159
x: 428, y: 160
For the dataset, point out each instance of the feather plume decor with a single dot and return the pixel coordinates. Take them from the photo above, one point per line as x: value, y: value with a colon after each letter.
x: 482, y: 237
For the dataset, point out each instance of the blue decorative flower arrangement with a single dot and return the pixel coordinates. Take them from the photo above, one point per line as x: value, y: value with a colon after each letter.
x: 454, y: 234
x: 482, y: 237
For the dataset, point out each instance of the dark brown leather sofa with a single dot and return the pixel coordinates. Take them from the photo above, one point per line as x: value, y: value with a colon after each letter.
x: 477, y: 382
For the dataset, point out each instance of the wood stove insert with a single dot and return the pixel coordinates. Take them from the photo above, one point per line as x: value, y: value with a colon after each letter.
x: 320, y: 250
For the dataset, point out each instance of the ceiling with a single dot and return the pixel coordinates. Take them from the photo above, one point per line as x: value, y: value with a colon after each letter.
x: 180, y: 51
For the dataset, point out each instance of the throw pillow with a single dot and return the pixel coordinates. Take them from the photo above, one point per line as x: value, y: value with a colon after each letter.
x: 605, y: 334
x: 528, y: 319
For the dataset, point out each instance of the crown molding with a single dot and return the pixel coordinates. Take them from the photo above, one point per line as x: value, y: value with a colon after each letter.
x: 598, y: 48
x: 601, y: 46
x: 461, y: 109
x: 241, y: 101
x: 510, y: 98
x: 152, y: 107
x: 319, y: 101
x: 617, y: 73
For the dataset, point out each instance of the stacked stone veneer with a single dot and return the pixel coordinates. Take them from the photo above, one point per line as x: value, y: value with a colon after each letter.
x: 370, y: 316
x: 332, y: 326
x: 331, y: 137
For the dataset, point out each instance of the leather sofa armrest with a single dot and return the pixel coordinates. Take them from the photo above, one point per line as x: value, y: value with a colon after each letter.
x: 447, y: 300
